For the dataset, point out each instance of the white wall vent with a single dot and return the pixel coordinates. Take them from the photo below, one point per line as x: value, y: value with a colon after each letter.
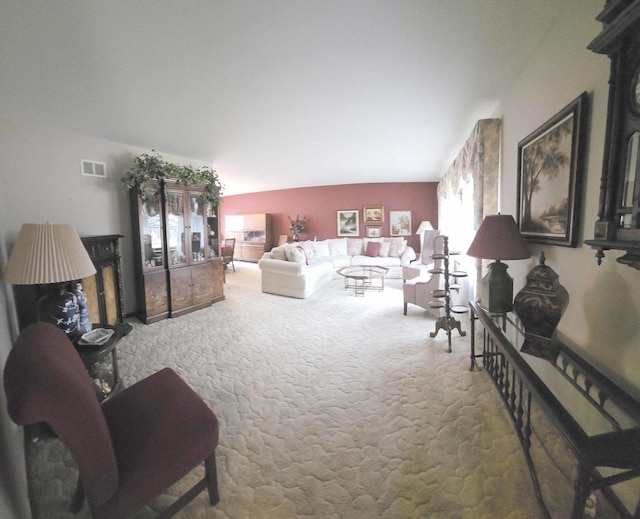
x: 91, y: 168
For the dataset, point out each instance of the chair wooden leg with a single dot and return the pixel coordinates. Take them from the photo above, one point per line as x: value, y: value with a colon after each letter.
x: 211, y: 474
x: 78, y: 498
x: 405, y: 309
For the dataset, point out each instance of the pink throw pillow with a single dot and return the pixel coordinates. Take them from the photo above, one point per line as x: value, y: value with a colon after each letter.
x: 372, y: 249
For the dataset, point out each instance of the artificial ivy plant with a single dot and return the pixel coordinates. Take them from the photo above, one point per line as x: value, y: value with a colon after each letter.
x: 152, y: 166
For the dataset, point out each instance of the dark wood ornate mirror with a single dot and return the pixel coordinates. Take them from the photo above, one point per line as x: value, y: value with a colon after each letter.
x: 618, y: 224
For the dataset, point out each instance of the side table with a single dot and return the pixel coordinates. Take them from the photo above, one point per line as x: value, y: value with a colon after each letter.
x: 597, y: 416
x: 102, y: 364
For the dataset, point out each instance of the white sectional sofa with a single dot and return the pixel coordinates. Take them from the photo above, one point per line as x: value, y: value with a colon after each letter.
x: 299, y: 269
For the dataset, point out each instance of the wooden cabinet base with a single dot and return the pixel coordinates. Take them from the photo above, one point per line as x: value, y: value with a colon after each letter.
x: 196, y: 287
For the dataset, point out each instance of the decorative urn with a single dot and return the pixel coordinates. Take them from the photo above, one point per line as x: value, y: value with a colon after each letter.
x: 540, y: 306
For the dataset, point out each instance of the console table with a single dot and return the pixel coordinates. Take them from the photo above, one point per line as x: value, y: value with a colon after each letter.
x: 596, y: 416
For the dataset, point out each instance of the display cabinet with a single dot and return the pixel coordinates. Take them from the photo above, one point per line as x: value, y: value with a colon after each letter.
x: 177, y: 256
x: 252, y: 233
x: 618, y: 224
x: 105, y: 296
x: 195, y: 269
x: 149, y: 249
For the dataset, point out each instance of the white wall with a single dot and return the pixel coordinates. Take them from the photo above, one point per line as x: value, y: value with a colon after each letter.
x: 603, y: 316
x: 13, y: 491
x: 41, y: 181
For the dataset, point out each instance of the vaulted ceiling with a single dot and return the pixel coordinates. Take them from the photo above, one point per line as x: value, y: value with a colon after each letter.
x: 272, y: 93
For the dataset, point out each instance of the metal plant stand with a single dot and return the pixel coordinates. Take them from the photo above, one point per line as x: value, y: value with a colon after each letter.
x: 442, y: 298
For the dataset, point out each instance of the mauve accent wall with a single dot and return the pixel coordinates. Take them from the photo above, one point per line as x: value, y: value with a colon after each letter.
x: 320, y: 205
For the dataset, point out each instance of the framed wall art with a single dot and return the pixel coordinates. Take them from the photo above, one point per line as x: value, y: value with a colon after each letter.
x: 550, y: 171
x: 348, y: 223
x: 373, y: 214
x: 399, y: 223
x: 374, y: 231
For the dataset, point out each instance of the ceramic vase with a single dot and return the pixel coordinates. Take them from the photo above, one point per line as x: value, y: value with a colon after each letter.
x: 60, y: 307
x: 540, y: 306
x: 84, y: 324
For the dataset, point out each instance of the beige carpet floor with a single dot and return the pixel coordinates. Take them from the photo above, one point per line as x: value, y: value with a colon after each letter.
x: 333, y: 407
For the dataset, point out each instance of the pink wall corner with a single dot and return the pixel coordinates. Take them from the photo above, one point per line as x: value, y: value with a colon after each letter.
x: 320, y: 205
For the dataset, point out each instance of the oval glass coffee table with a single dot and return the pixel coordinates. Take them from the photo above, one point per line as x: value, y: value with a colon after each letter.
x: 363, y: 278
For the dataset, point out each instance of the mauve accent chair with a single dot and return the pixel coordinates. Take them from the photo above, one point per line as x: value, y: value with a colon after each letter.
x: 421, y: 278
x: 128, y: 450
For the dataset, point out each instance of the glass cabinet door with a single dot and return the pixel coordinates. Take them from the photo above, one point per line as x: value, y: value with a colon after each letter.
x: 176, y: 229
x: 197, y: 227
x: 212, y: 227
x: 152, y: 233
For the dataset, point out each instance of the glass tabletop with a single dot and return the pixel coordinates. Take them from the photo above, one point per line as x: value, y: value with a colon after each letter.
x: 585, y: 393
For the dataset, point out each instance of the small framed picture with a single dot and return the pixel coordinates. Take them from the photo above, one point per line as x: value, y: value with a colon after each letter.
x: 400, y: 223
x: 374, y: 231
x: 373, y: 213
x: 348, y: 223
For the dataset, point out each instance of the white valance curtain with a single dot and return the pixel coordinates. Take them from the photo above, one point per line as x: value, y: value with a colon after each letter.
x: 469, y: 191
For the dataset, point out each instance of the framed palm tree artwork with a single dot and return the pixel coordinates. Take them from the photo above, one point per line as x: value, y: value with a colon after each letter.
x: 551, y: 161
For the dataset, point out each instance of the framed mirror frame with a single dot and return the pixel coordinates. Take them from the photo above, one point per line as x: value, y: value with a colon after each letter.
x: 618, y: 223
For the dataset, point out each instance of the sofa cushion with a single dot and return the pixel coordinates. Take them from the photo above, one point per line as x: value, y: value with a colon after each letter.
x: 309, y: 248
x: 377, y: 261
x: 296, y: 254
x: 398, y: 245
x: 385, y: 246
x: 321, y: 248
x: 372, y: 249
x: 338, y: 246
x: 279, y: 253
x: 354, y: 246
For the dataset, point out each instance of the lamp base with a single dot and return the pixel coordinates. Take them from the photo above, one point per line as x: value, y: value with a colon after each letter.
x: 60, y: 307
x: 496, y: 289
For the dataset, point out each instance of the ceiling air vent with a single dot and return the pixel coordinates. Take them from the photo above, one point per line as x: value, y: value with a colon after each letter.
x: 91, y: 168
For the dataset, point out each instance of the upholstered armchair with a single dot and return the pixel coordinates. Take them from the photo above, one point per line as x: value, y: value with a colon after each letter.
x: 128, y: 450
x: 421, y: 278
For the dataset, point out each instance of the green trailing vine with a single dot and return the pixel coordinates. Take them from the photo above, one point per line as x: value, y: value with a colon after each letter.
x: 152, y: 167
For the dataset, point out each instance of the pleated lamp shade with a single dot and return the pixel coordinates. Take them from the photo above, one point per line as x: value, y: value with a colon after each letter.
x: 498, y: 238
x: 47, y: 253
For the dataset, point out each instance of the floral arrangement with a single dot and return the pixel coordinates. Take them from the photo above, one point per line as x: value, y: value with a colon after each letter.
x: 148, y: 167
x: 297, y: 226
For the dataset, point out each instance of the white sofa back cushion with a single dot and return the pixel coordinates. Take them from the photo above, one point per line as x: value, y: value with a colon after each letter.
x: 321, y: 248
x: 355, y: 246
x: 338, y: 247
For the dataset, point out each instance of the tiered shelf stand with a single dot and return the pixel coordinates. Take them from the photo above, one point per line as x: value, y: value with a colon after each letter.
x: 442, y: 298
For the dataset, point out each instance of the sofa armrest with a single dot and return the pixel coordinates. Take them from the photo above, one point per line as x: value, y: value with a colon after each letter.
x: 282, y: 267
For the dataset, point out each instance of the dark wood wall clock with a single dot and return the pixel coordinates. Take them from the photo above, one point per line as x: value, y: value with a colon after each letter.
x: 618, y: 224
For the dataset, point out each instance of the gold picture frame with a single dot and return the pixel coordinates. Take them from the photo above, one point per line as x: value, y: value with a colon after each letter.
x: 374, y: 231
x: 373, y: 214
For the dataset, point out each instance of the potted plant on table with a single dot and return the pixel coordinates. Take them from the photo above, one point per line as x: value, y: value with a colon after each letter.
x: 297, y: 226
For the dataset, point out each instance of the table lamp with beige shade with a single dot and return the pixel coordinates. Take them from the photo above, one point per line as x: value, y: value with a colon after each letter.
x: 51, y: 256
